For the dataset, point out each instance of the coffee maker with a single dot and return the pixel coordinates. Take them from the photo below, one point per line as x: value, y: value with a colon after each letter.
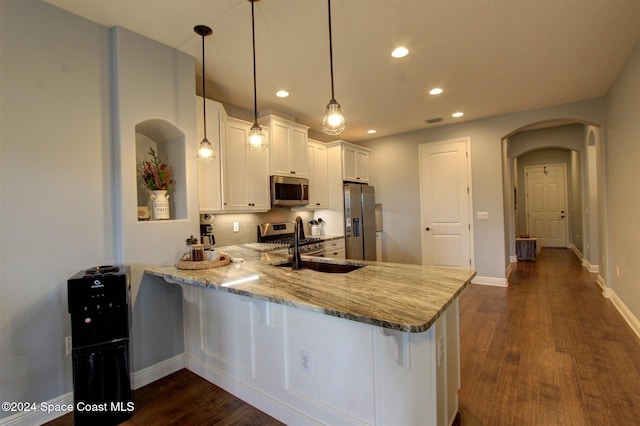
x: 206, y: 231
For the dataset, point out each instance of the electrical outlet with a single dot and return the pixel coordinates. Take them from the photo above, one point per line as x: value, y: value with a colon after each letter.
x: 305, y: 361
x: 236, y: 226
x: 67, y: 345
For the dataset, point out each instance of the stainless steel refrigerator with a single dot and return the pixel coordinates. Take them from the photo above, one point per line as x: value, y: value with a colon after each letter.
x: 360, y: 221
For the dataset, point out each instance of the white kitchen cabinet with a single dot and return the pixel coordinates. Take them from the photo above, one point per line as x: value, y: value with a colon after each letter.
x: 210, y: 174
x: 288, y: 148
x: 246, y: 173
x: 335, y: 249
x: 355, y: 163
x: 318, y: 174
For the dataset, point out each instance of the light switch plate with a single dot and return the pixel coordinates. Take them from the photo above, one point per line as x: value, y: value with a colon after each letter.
x: 482, y: 215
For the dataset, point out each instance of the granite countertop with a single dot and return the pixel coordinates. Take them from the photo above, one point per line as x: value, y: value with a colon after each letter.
x: 390, y: 295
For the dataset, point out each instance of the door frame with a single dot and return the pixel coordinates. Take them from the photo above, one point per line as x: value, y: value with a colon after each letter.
x: 566, y: 198
x: 467, y: 140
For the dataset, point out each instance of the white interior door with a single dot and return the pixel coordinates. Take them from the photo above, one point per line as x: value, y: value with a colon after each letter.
x: 446, y: 209
x: 547, y: 204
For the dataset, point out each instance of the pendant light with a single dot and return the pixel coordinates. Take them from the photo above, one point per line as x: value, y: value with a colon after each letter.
x: 256, y: 140
x: 333, y: 122
x: 206, y: 153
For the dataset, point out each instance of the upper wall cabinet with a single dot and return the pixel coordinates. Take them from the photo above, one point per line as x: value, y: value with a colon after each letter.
x: 288, y: 147
x: 318, y: 175
x: 355, y: 163
x: 246, y: 173
x: 210, y: 174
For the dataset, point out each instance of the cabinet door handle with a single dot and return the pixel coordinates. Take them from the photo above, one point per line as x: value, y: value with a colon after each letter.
x: 427, y: 229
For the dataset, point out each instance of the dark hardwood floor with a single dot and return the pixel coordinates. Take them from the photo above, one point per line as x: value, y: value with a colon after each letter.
x: 547, y: 350
x: 184, y: 398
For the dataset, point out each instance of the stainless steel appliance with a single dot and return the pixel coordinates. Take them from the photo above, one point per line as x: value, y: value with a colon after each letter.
x: 289, y: 191
x: 283, y: 233
x: 360, y: 221
x: 206, y: 231
x: 98, y: 301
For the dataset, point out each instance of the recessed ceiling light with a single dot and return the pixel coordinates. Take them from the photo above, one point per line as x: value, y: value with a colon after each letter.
x: 457, y: 114
x: 371, y: 131
x: 282, y: 93
x: 400, y: 52
x: 435, y: 91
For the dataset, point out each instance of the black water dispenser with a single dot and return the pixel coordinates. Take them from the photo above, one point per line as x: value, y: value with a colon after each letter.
x: 100, y: 322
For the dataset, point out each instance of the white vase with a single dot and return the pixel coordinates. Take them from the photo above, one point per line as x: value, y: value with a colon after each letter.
x: 160, y: 204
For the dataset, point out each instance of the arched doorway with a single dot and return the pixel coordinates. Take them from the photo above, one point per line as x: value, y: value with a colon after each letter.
x: 579, y: 143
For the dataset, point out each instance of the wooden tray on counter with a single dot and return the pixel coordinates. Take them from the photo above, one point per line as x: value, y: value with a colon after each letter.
x: 223, y: 260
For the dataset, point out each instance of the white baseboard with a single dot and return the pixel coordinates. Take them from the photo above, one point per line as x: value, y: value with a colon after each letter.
x: 53, y: 409
x: 589, y: 267
x: 510, y: 270
x: 250, y: 395
x: 603, y: 285
x: 584, y: 261
x: 628, y: 316
x: 138, y: 379
x: 157, y: 371
x: 498, y: 282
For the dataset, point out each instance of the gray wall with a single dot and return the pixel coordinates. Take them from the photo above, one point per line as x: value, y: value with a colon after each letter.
x: 55, y: 217
x: 394, y: 165
x: 57, y: 198
x: 531, y: 148
x: 55, y: 186
x: 623, y: 175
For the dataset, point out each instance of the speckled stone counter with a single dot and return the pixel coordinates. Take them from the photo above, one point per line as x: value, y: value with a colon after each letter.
x: 390, y: 295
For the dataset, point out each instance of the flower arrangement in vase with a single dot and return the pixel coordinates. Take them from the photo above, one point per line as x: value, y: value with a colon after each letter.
x: 157, y: 176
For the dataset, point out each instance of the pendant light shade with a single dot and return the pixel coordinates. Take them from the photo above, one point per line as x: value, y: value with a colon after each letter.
x: 333, y: 122
x: 256, y: 140
x: 206, y: 153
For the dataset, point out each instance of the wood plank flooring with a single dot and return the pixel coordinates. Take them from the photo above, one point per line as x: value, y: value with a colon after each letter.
x: 547, y: 350
x: 184, y: 398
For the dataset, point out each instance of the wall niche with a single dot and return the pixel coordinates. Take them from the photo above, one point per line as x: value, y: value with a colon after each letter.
x: 169, y: 142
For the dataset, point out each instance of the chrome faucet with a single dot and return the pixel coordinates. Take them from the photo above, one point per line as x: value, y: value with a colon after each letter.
x: 298, y: 234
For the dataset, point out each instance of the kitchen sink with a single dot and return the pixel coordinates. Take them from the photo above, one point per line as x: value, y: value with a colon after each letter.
x: 332, y: 268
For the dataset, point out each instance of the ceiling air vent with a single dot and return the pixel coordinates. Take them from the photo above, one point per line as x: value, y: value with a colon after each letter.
x: 433, y: 120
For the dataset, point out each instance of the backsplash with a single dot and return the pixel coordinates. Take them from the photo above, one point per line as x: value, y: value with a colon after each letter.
x: 248, y: 225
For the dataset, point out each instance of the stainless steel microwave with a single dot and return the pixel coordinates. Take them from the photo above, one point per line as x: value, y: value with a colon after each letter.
x: 289, y: 191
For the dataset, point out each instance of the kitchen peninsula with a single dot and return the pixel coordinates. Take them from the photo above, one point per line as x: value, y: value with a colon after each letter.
x: 377, y: 345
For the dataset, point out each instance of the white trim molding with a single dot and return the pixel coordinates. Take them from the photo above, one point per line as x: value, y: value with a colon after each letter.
x: 584, y: 261
x: 157, y: 371
x: 626, y: 313
x: 497, y: 282
x: 52, y: 410
x: 138, y: 379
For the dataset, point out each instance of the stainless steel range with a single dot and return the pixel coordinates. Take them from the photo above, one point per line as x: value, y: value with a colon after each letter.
x: 283, y: 233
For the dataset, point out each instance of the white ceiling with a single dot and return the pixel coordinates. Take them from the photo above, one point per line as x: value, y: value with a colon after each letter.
x: 490, y: 56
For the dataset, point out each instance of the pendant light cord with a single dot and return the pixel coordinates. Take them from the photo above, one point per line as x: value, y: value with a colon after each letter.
x: 204, y: 94
x: 330, y: 50
x: 255, y: 93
